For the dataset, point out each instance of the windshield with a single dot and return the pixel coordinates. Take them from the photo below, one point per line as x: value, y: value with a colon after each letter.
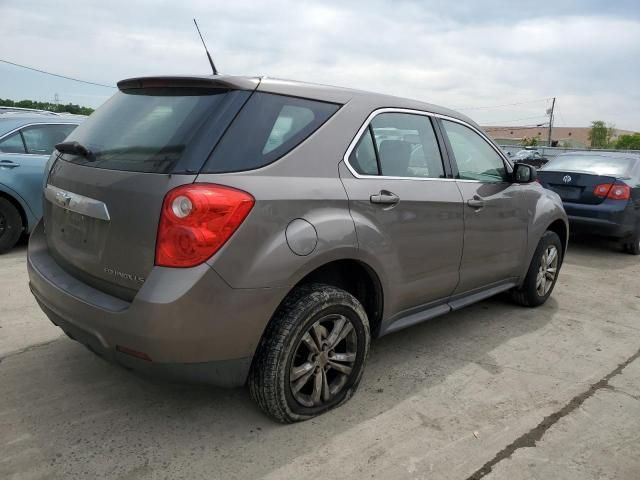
x: 146, y: 130
x: 597, y: 165
x: 523, y: 154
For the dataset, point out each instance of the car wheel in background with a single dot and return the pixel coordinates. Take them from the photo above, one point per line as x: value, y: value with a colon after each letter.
x: 542, y: 274
x: 10, y: 225
x: 633, y: 245
x: 312, y: 354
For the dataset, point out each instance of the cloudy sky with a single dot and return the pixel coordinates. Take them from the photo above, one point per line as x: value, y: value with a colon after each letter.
x: 474, y: 56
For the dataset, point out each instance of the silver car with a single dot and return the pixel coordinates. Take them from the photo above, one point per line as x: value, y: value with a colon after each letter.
x: 236, y: 230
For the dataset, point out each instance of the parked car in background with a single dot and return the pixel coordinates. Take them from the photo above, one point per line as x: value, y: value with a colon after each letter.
x: 27, y: 138
x: 530, y: 157
x: 600, y: 192
x: 236, y: 230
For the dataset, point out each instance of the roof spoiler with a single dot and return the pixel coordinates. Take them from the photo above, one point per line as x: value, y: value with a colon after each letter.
x: 225, y: 82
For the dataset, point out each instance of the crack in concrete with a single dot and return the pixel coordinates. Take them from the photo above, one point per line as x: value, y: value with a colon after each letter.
x: 530, y: 438
x: 622, y: 392
x: 27, y: 349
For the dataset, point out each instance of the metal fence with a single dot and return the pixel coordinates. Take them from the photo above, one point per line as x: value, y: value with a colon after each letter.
x: 551, y: 152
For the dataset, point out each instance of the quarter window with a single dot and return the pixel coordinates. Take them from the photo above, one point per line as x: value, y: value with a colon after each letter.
x: 12, y: 144
x: 476, y: 159
x: 363, y: 158
x: 402, y: 145
x: 268, y: 127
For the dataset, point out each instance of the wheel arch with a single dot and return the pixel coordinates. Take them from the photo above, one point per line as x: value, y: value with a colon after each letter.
x: 560, y: 228
x: 352, y: 275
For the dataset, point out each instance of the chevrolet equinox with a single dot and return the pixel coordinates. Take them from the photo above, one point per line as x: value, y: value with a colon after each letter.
x: 235, y: 230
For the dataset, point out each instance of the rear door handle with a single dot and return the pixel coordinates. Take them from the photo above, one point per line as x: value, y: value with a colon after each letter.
x: 476, y: 202
x: 385, y: 198
x: 8, y: 164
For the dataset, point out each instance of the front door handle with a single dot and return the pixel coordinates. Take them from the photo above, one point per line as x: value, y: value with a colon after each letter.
x: 8, y: 164
x: 385, y: 198
x: 476, y: 202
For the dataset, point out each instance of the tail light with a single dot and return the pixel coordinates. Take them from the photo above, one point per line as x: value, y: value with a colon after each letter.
x: 614, y: 191
x: 196, y: 220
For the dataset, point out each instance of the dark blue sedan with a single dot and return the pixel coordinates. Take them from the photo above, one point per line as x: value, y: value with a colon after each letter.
x: 600, y: 192
x: 27, y: 139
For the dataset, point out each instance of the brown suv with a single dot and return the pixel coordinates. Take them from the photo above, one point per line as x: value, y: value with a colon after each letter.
x: 236, y: 230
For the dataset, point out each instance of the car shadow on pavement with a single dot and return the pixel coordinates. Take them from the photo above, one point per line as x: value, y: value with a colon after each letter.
x: 79, y: 414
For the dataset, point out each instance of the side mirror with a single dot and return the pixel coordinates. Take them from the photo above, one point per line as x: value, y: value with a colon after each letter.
x: 523, y: 173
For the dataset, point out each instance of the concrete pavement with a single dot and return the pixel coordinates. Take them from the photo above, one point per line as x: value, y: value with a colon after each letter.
x: 494, y: 391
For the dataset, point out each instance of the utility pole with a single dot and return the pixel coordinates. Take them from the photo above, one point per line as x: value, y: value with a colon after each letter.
x: 550, y: 112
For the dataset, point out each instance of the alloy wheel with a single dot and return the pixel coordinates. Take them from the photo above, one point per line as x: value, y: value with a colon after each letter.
x: 547, y: 270
x: 323, y: 361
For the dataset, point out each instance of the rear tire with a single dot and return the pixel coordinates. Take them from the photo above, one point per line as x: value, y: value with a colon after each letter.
x: 542, y: 274
x: 311, y: 357
x: 633, y: 245
x: 10, y: 225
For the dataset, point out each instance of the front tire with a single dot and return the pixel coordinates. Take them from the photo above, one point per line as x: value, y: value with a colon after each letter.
x: 10, y: 225
x: 542, y: 274
x: 312, y: 355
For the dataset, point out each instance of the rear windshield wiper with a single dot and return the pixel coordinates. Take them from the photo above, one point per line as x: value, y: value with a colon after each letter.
x: 75, y: 148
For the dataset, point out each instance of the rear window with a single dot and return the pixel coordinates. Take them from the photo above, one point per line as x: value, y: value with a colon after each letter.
x: 268, y: 127
x: 598, y: 165
x: 157, y: 130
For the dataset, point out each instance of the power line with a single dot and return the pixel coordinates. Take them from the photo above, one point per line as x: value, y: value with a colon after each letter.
x: 487, y: 107
x: 498, y: 122
x: 529, y: 127
x: 55, y: 74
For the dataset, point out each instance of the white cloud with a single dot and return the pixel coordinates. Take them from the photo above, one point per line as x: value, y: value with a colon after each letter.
x: 455, y: 56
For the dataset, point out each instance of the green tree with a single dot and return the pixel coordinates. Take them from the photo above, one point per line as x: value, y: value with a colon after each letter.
x: 52, y: 107
x: 530, y: 142
x: 600, y: 134
x: 629, y: 142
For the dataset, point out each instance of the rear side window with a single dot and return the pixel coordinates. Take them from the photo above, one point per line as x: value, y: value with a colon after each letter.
x: 156, y: 130
x: 268, y: 127
x: 12, y: 144
x: 405, y: 146
x: 42, y: 139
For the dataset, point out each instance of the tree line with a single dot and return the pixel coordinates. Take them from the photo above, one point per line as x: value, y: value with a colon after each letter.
x: 52, y: 107
x: 601, y: 136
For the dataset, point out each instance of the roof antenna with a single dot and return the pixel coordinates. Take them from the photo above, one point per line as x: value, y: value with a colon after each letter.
x: 213, y: 67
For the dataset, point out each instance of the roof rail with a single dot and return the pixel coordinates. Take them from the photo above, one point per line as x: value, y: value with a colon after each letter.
x: 25, y: 110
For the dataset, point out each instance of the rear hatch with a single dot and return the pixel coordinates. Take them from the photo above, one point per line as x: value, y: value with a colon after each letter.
x: 575, y: 187
x: 102, y: 207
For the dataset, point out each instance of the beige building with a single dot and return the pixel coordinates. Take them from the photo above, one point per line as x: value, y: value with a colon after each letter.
x: 565, y: 136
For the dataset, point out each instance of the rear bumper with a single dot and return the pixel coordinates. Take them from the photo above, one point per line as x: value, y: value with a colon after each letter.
x: 611, y: 218
x: 189, y: 322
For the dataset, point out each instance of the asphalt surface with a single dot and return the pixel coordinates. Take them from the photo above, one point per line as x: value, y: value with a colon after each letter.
x: 494, y: 391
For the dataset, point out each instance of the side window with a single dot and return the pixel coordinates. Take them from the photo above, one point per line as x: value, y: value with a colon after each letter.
x: 41, y: 139
x: 290, y: 121
x: 363, y: 158
x: 476, y: 159
x: 12, y: 144
x: 407, y: 146
x: 267, y: 127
